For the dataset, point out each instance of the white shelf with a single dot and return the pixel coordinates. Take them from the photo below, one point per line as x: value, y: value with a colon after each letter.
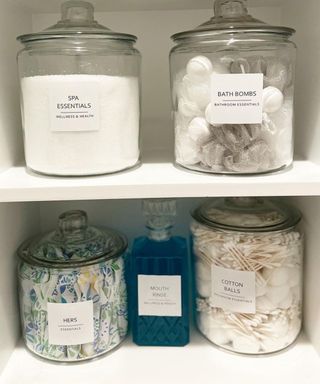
x: 198, y: 362
x: 157, y: 180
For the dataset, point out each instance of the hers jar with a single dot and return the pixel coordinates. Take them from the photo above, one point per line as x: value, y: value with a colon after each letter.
x: 232, y: 88
x: 248, y: 272
x: 79, y: 96
x: 73, y: 297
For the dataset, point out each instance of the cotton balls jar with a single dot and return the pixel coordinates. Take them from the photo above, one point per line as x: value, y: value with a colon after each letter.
x: 232, y: 91
x: 248, y: 256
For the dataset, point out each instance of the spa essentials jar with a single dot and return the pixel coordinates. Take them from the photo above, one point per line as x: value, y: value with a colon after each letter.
x: 73, y: 297
x: 248, y: 255
x: 80, y: 97
x: 232, y: 84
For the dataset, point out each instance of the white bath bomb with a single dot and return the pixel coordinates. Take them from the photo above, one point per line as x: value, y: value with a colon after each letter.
x: 199, y: 67
x: 199, y: 130
x: 246, y: 344
x: 272, y: 99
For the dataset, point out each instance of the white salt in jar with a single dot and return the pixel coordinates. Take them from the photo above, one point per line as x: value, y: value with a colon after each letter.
x: 80, y: 96
x: 248, y: 256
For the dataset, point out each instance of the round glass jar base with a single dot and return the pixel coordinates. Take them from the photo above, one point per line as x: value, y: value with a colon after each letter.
x: 98, y: 355
x: 84, y: 174
x: 229, y: 349
x: 202, y: 170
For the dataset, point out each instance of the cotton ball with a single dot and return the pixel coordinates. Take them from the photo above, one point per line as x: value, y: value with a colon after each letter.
x: 203, y: 272
x: 199, y: 67
x: 279, y: 276
x: 296, y: 292
x: 204, y: 322
x: 272, y: 99
x: 196, y: 91
x: 218, y: 336
x: 264, y: 305
x: 277, y: 294
x: 279, y: 327
x: 287, y: 302
x: 199, y: 130
x: 88, y: 349
x: 187, y: 151
x: 294, y: 329
x: 188, y: 108
x: 204, y: 288
x: 294, y: 276
x: 246, y: 344
x: 261, y: 289
x: 271, y: 344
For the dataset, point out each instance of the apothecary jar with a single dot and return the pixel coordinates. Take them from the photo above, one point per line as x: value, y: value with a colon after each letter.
x: 73, y: 296
x: 232, y: 89
x: 80, y: 96
x: 248, y: 255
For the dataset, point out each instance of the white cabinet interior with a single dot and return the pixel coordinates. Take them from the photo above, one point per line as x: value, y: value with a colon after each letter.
x: 36, y: 201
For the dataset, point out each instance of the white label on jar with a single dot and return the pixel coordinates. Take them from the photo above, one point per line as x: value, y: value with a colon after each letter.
x: 74, y: 106
x: 159, y: 295
x: 236, y: 99
x: 234, y: 291
x: 70, y: 324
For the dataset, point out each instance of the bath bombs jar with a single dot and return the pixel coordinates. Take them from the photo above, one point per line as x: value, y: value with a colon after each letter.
x: 248, y: 256
x: 73, y: 297
x: 80, y: 97
x: 232, y: 89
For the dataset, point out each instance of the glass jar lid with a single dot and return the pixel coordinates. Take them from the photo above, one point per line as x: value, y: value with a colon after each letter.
x: 230, y: 17
x: 247, y: 214
x: 77, y: 21
x: 73, y: 244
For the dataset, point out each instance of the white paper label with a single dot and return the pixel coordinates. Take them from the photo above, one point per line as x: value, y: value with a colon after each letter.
x: 159, y: 295
x: 70, y: 324
x: 234, y: 291
x: 236, y: 98
x: 74, y: 106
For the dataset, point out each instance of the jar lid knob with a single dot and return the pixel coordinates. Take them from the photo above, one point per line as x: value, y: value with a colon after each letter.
x: 230, y: 9
x: 73, y: 225
x: 77, y: 11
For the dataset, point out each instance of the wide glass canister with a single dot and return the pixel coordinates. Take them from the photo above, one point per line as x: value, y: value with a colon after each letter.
x: 73, y: 297
x: 248, y: 256
x: 232, y: 89
x: 80, y: 96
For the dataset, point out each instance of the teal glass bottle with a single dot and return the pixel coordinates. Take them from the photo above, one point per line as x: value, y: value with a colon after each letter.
x: 159, y: 280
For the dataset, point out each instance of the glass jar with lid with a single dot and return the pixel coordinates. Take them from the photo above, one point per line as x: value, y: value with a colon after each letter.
x: 248, y: 256
x: 80, y: 96
x: 73, y: 297
x: 232, y: 88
